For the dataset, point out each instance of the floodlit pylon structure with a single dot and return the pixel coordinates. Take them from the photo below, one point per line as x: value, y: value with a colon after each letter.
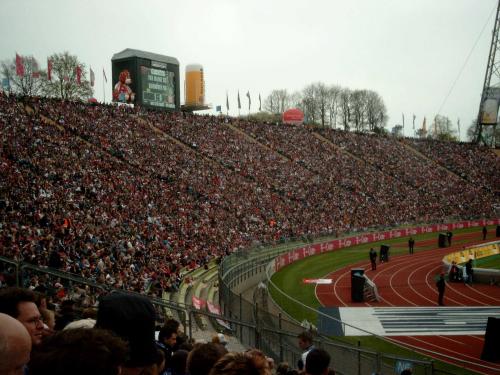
x: 492, y: 73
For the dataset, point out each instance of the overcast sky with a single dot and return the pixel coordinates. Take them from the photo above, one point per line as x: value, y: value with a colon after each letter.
x: 409, y: 51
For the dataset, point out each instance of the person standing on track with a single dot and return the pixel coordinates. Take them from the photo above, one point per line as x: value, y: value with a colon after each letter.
x: 373, y: 258
x: 411, y: 245
x: 485, y: 232
x: 449, y: 235
x: 469, y: 272
x: 441, y: 285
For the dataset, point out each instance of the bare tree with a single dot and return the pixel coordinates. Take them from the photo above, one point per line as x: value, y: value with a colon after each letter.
x: 277, y: 101
x: 345, y: 107
x: 29, y: 83
x: 376, y: 113
x: 283, y: 100
x: 64, y: 83
x: 310, y: 103
x: 322, y: 94
x: 442, y: 128
x: 397, y: 131
x: 333, y: 104
x: 295, y: 99
x: 271, y: 103
x: 358, y: 108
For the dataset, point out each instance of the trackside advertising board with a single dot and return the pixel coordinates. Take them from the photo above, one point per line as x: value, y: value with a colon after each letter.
x: 303, y: 252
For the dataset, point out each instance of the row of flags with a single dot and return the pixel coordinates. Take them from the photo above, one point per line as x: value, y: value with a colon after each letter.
x: 424, y: 127
x: 239, y: 102
x: 78, y: 72
x: 424, y: 124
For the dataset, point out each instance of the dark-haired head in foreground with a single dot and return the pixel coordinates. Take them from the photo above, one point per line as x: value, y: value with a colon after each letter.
x: 317, y: 362
x: 80, y: 351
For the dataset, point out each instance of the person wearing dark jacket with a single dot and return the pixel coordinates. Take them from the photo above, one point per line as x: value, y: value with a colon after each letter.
x: 411, y: 245
x: 469, y: 271
x: 373, y: 259
x: 441, y: 285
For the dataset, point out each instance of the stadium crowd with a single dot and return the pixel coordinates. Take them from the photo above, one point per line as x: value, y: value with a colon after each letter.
x: 128, y: 198
x: 478, y: 165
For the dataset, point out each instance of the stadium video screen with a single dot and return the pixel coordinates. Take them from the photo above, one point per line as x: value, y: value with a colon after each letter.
x: 158, y: 87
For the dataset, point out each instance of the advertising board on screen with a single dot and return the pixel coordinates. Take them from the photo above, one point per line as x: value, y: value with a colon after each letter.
x: 158, y: 87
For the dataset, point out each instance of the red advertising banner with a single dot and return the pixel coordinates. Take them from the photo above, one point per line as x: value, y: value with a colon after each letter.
x: 293, y: 116
x: 198, y: 303
x: 214, y: 309
x: 303, y: 252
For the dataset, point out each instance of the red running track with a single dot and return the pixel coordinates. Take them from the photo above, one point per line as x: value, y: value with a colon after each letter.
x: 410, y: 280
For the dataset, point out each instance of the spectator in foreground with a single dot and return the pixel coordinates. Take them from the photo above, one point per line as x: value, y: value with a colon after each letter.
x: 66, y: 316
x: 80, y: 351
x: 306, y: 344
x: 249, y: 363
x: 219, y: 339
x: 202, y: 358
x: 15, y: 346
x: 167, y: 340
x: 181, y: 336
x: 20, y: 304
x: 282, y: 368
x: 132, y: 318
x: 265, y: 364
x: 178, y: 362
x: 318, y: 362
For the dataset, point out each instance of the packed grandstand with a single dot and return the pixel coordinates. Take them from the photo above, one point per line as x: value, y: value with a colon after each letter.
x: 128, y: 197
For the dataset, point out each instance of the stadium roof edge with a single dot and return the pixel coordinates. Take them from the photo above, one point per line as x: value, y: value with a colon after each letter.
x: 129, y: 52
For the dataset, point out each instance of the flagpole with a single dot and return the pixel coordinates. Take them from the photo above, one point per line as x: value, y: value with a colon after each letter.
x: 103, y: 90
x: 249, y: 102
x: 414, y: 133
x: 239, y: 104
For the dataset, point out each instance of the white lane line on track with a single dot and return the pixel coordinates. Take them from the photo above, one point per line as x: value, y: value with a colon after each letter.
x: 394, y: 274
x: 483, y: 294
x: 410, y: 284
